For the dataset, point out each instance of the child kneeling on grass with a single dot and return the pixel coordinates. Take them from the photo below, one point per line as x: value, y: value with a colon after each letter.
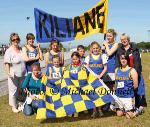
x: 126, y: 81
x: 31, y: 86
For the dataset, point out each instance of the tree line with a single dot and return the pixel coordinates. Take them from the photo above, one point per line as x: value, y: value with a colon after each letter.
x: 143, y: 45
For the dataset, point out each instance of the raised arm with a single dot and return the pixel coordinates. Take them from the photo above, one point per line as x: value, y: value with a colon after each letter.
x: 39, y: 52
x: 62, y: 58
x: 112, y: 50
x: 50, y: 73
x: 46, y: 59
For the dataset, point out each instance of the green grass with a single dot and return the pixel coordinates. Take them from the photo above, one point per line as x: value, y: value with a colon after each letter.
x: 9, y: 119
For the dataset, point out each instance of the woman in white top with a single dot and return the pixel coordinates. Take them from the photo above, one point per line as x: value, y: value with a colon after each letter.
x: 15, y: 69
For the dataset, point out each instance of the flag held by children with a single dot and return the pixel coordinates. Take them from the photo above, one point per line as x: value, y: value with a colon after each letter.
x: 75, y: 95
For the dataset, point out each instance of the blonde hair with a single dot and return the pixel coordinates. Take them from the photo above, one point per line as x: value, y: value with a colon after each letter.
x: 112, y: 31
x: 126, y: 36
x: 95, y: 43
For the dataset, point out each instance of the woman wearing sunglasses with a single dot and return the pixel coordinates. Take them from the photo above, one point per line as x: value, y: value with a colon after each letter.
x: 15, y: 69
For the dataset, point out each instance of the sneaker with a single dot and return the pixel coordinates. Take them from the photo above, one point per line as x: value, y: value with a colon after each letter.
x: 113, y: 108
x: 76, y: 115
x: 141, y: 110
x: 15, y: 110
x: 20, y: 107
x: 100, y: 113
x: 94, y: 115
x: 70, y: 115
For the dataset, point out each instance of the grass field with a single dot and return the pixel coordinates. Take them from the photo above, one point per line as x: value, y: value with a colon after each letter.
x: 9, y: 119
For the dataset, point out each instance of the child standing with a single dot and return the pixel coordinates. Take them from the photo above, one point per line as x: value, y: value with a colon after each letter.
x: 54, y: 50
x: 77, y: 67
x: 98, y: 64
x: 32, y: 54
x: 55, y: 71
x: 81, y: 51
x: 32, y: 86
x: 110, y: 48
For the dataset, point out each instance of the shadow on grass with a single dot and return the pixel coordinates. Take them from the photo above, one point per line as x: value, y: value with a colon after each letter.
x: 82, y: 116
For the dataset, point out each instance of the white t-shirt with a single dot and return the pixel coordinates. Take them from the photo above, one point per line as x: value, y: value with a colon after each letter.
x: 17, y: 64
x: 95, y: 57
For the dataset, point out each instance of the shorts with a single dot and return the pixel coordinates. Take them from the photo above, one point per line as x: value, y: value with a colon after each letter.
x: 126, y: 104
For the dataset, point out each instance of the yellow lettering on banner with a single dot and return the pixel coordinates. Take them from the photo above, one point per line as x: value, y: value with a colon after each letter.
x: 91, y: 22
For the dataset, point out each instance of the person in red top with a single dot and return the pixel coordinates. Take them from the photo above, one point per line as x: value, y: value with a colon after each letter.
x: 135, y: 62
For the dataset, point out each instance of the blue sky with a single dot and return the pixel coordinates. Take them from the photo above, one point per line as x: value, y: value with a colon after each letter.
x: 130, y: 16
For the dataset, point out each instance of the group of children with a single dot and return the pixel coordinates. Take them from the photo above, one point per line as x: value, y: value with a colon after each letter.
x: 97, y: 62
x: 100, y: 60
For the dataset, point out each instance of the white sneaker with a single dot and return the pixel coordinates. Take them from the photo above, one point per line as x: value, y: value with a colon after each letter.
x: 112, y: 107
x: 20, y: 107
x: 70, y: 115
x: 15, y: 110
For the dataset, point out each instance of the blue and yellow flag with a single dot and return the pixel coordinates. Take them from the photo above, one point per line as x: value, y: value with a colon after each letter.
x: 50, y: 27
x: 77, y: 93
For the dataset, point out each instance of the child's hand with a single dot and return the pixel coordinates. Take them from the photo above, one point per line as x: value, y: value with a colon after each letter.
x: 38, y: 45
x: 105, y: 44
x: 32, y: 97
x: 103, y: 48
x: 99, y: 76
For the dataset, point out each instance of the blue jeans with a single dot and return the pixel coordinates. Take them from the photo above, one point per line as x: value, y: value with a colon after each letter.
x: 30, y: 109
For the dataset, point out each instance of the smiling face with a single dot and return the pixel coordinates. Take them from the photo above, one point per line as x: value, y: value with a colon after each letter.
x: 54, y: 47
x: 81, y: 52
x: 30, y: 41
x: 124, y: 41
x: 36, y: 71
x: 15, y: 40
x: 95, y: 49
x: 110, y: 37
x: 123, y: 61
x: 75, y: 60
x: 56, y: 62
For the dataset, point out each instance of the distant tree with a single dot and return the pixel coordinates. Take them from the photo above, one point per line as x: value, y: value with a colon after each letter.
x: 143, y: 45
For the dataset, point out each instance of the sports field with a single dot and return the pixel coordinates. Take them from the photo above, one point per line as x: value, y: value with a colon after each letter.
x: 9, y: 119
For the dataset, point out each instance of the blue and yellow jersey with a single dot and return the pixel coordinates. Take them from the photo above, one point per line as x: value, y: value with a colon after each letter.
x: 96, y: 65
x: 31, y: 54
x: 111, y: 61
x: 50, y: 62
x: 124, y: 83
x: 57, y: 74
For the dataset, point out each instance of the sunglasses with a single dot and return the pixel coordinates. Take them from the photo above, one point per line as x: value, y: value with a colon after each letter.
x: 17, y: 39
